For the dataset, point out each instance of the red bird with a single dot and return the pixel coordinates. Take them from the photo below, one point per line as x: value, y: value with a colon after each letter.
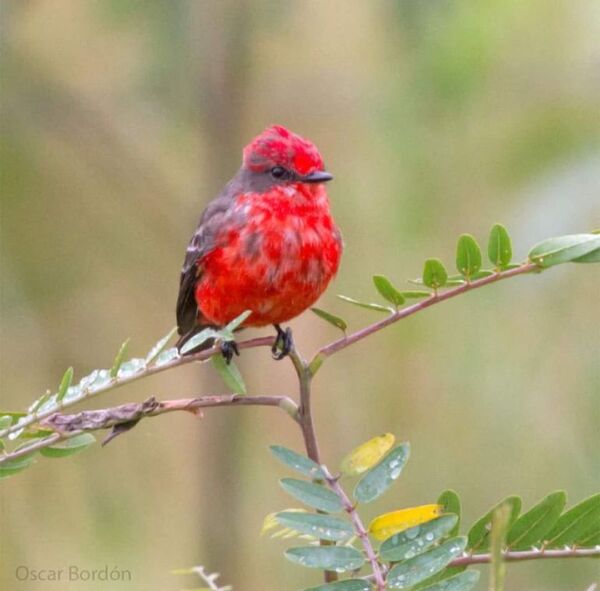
x: 267, y: 243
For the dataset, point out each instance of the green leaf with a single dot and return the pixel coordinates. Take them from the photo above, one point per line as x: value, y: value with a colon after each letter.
x: 461, y: 582
x: 387, y: 290
x: 297, y: 462
x: 576, y: 524
x: 415, y: 294
x: 368, y: 305
x: 450, y: 502
x: 237, y: 322
x: 332, y: 319
x: 322, y: 527
x: 114, y: 370
x: 410, y: 572
x: 160, y: 346
x: 479, y: 534
x: 499, y: 247
x: 313, y: 495
x: 349, y: 585
x: 336, y: 558
x: 5, y: 421
x: 532, y: 527
x: 40, y: 402
x: 590, y: 257
x: 16, y: 465
x: 563, y: 249
x: 64, y: 385
x: 468, y: 256
x: 229, y: 373
x: 69, y: 447
x: 378, y: 479
x: 434, y: 274
x: 416, y: 540
x: 199, y: 339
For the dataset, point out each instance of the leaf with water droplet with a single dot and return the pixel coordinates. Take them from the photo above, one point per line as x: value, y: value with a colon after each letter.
x: 367, y: 305
x: 131, y: 367
x: 297, y: 462
x: 379, y: 478
x: 313, y: 495
x: 270, y: 521
x: 564, y: 249
x: 348, y: 585
x: 323, y: 527
x: 531, y: 528
x: 229, y: 373
x: 159, y: 347
x: 367, y: 455
x: 199, y: 339
x: 468, y: 256
x: 450, y: 502
x: 388, y: 524
x: 387, y: 290
x: 416, y: 540
x: 64, y: 385
x: 69, y: 447
x: 421, y: 567
x: 479, y: 534
x: 461, y: 582
x: 167, y: 356
x: 331, y: 318
x: 334, y: 558
x: 576, y: 524
x: 119, y: 359
x: 499, y: 247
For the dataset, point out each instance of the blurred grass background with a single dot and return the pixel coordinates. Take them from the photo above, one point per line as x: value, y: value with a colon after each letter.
x: 122, y: 118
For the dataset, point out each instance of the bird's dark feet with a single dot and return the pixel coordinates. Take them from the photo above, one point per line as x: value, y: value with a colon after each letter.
x: 283, y: 343
x: 228, y: 349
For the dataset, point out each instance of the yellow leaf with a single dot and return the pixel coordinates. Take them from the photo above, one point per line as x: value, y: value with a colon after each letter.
x: 367, y: 455
x: 270, y: 522
x: 388, y: 524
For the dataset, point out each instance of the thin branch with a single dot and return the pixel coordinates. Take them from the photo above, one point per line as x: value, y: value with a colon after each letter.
x: 359, y: 528
x: 210, y: 579
x: 534, y: 554
x: 70, y: 425
x: 435, y: 298
x: 118, y: 382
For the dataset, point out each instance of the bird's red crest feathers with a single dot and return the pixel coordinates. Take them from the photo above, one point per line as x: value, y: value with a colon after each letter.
x: 277, y: 146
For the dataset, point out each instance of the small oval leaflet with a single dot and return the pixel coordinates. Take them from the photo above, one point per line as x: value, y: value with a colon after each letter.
x: 576, y: 524
x: 434, y: 274
x: 331, y: 318
x: 337, y: 558
x: 468, y: 256
x: 324, y: 527
x: 388, y: 524
x: 379, y: 478
x: 564, y: 249
x: 421, y: 567
x: 479, y: 534
x: 387, y: 290
x: 349, y: 585
x: 313, y: 495
x: 416, y: 540
x: 297, y: 462
x: 499, y: 247
x: 461, y: 582
x: 69, y: 447
x: 367, y: 455
x: 367, y: 305
x: 229, y: 373
x: 531, y: 528
x: 159, y: 347
x: 450, y: 502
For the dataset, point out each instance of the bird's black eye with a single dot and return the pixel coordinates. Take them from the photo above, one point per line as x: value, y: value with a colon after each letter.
x: 279, y: 173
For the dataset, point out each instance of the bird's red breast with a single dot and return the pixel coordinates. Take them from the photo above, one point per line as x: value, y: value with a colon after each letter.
x: 268, y: 244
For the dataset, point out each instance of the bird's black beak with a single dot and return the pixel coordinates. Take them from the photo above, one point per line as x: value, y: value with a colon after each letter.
x: 319, y: 176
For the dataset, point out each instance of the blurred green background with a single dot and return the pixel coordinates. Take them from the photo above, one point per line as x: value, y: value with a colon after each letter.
x: 122, y: 118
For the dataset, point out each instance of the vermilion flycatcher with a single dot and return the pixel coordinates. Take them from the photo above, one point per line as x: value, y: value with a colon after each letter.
x: 267, y: 243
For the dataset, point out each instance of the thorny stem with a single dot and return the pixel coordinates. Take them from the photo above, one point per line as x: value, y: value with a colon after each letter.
x: 359, y: 528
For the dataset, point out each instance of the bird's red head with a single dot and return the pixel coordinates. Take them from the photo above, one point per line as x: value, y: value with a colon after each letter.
x: 286, y: 155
